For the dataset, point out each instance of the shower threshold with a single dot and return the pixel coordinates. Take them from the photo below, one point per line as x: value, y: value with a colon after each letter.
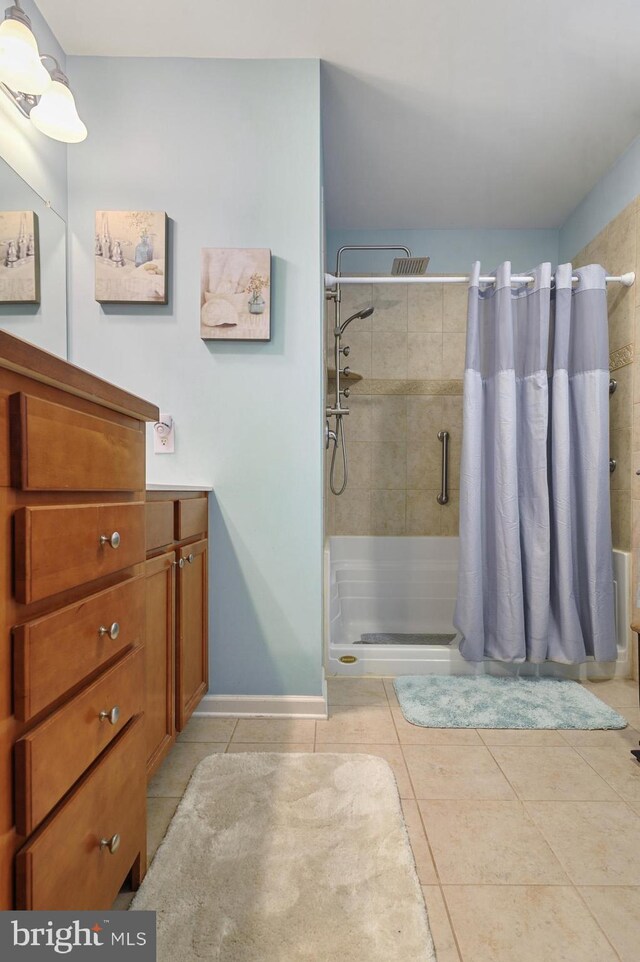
x: 398, y: 638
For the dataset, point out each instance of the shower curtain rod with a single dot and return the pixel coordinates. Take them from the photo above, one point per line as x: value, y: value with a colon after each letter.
x: 330, y: 280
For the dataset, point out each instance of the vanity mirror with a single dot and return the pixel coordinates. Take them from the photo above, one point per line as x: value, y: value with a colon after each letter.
x: 45, y: 323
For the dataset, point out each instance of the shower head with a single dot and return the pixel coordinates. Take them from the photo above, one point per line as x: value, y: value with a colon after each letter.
x: 409, y: 266
x: 367, y: 312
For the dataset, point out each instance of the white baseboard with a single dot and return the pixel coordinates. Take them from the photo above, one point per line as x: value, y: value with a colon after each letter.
x: 264, y: 706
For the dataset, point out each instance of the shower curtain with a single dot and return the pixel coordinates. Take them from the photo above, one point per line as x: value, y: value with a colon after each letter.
x: 535, y: 579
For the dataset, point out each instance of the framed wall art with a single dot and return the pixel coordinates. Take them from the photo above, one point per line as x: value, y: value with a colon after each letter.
x: 131, y: 257
x: 19, y: 257
x: 235, y: 292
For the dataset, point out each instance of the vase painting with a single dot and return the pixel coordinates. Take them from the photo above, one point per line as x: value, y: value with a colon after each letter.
x: 19, y: 257
x: 131, y: 257
x: 235, y: 288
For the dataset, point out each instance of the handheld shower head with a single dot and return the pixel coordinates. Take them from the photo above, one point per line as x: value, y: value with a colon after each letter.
x: 367, y: 312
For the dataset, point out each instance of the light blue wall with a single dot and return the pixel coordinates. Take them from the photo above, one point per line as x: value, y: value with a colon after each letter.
x: 451, y: 251
x: 615, y: 189
x: 40, y: 161
x: 231, y: 150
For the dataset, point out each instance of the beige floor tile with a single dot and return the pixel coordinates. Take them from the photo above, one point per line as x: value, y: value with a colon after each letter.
x: 278, y: 747
x: 439, y: 924
x: 634, y: 806
x: 422, y: 855
x: 619, y: 692
x: 274, y: 730
x: 160, y: 811
x: 439, y: 771
x: 417, y: 735
x: 632, y: 715
x: 372, y: 726
x: 617, y: 910
x: 618, y: 768
x: 513, y: 923
x: 619, y: 739
x: 488, y: 843
x: 201, y: 729
x: 597, y: 843
x: 521, y: 737
x: 551, y: 773
x: 391, y: 754
x: 391, y: 692
x: 172, y: 777
x: 356, y: 691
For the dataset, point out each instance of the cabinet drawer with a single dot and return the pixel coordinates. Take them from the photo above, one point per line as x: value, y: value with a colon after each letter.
x: 64, y: 866
x: 159, y: 523
x: 55, y: 448
x: 60, y: 547
x: 192, y: 517
x: 74, y: 735
x: 55, y: 653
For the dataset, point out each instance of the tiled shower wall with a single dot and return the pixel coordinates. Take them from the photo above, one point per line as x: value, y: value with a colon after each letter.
x: 410, y: 353
x: 617, y: 248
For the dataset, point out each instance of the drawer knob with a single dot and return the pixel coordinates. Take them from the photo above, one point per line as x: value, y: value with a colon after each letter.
x: 113, y: 630
x: 178, y: 564
x: 113, y: 843
x: 189, y: 559
x: 110, y: 539
x: 111, y: 716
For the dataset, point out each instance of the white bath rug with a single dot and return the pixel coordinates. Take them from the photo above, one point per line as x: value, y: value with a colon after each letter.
x: 288, y: 858
x: 484, y: 701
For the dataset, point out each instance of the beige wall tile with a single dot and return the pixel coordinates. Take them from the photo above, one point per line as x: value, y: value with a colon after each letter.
x: 358, y: 422
x: 424, y: 358
x: 620, y: 449
x: 390, y: 307
x: 425, y: 306
x: 621, y: 316
x: 424, y: 417
x: 636, y: 425
x: 424, y: 464
x: 389, y: 462
x: 388, y: 510
x: 621, y: 243
x: 389, y: 355
x: 388, y: 416
x: 423, y: 512
x: 621, y: 403
x: 455, y: 308
x: 359, y: 463
x: 450, y: 521
x: 453, y: 355
x: 621, y: 519
x: 352, y: 511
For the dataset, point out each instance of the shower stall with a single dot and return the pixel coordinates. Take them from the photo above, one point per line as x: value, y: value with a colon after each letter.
x: 390, y: 591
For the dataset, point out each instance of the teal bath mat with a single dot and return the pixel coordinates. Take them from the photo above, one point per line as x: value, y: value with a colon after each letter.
x: 484, y: 701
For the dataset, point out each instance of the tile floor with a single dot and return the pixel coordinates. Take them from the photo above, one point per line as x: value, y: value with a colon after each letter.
x: 527, y: 843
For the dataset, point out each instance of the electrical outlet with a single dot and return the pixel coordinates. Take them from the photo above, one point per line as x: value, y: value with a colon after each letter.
x: 164, y: 435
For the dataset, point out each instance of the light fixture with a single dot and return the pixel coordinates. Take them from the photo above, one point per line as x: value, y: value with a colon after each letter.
x: 20, y: 65
x: 43, y: 96
x: 55, y: 114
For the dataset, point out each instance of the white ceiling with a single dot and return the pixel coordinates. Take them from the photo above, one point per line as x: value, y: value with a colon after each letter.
x: 436, y: 113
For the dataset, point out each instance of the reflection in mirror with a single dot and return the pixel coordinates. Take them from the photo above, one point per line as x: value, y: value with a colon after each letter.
x: 43, y: 324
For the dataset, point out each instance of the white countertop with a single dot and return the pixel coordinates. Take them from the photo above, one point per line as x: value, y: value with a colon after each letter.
x: 179, y: 487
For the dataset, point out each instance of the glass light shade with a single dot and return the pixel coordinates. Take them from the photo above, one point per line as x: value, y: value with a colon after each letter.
x: 56, y: 116
x: 20, y: 66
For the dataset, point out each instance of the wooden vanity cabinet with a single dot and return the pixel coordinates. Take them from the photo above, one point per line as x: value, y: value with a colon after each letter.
x: 72, y: 633
x: 176, y: 580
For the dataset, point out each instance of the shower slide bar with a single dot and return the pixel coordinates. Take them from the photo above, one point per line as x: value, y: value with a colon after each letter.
x: 331, y: 280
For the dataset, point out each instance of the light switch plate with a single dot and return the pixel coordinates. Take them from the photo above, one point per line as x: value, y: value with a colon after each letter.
x: 164, y: 435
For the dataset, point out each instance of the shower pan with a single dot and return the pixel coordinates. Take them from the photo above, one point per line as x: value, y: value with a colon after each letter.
x: 406, y: 266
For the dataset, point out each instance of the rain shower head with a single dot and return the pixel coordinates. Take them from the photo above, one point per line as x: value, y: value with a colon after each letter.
x: 409, y: 266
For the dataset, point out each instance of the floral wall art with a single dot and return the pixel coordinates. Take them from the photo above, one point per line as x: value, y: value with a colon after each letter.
x: 131, y: 256
x: 19, y: 257
x: 235, y: 292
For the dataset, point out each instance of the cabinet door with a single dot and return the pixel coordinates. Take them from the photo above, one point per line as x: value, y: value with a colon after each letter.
x: 192, y: 657
x: 159, y: 658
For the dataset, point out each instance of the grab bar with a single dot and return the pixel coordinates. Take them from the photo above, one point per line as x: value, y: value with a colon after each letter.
x: 443, y: 497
